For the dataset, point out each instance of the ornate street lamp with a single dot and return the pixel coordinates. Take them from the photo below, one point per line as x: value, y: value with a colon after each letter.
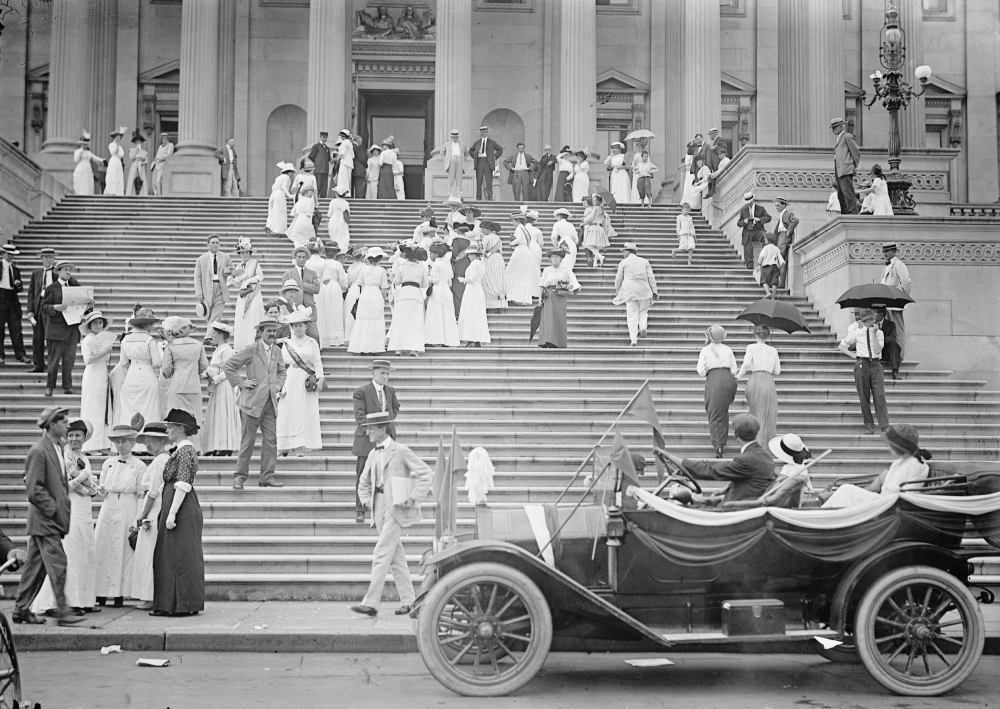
x: 895, y: 94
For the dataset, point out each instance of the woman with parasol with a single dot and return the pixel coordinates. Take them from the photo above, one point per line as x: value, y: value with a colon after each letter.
x: 763, y: 364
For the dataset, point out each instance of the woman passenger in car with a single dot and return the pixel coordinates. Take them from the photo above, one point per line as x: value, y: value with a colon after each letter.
x: 909, y: 466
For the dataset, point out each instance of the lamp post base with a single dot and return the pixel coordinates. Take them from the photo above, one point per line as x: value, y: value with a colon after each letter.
x: 899, y: 193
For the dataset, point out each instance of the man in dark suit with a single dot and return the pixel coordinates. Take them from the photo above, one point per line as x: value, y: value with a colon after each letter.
x: 784, y: 234
x: 749, y: 474
x: 845, y: 162
x: 11, y: 286
x: 520, y: 165
x: 320, y: 155
x: 62, y: 337
x: 485, y: 152
x: 48, y: 520
x: 707, y: 151
x: 308, y: 281
x: 375, y: 396
x: 460, y: 263
x: 40, y: 280
x: 544, y: 171
x: 752, y: 219
x: 259, y: 392
x: 359, y: 173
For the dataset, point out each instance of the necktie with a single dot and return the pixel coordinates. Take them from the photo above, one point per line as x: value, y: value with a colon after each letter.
x: 868, y: 337
x: 47, y: 280
x: 482, y: 150
x: 215, y: 264
x: 380, y: 448
x: 381, y: 398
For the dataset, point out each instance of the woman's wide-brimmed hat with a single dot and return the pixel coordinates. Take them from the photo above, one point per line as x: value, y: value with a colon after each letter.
x: 301, y: 315
x: 562, y: 212
x: 119, y: 131
x: 84, y: 138
x: 244, y: 244
x: 474, y: 212
x: 91, y: 317
x: 222, y: 327
x: 138, y: 137
x: 153, y: 429
x: 907, y: 439
x: 453, y: 201
x: 375, y: 149
x: 784, y: 447
x: 123, y: 431
x: 285, y: 166
x: 181, y: 417
x: 473, y: 251
x: 440, y: 249
x: 143, y: 318
x: 374, y: 252
x: 491, y: 226
x: 83, y: 426
x: 557, y: 252
x: 518, y: 216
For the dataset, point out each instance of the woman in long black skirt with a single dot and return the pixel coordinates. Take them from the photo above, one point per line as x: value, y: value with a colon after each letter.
x: 386, y: 180
x: 717, y: 364
x: 557, y: 282
x: 178, y: 561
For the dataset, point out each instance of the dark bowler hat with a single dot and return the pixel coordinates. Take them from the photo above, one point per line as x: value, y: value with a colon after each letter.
x: 182, y: 418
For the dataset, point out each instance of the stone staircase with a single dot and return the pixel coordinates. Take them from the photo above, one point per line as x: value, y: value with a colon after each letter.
x: 536, y: 411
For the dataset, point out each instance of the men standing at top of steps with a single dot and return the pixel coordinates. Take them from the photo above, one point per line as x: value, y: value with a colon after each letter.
x: 393, y: 484
x: 845, y: 161
x: 211, y: 293
x: 897, y: 275
x: 752, y: 219
x: 636, y: 288
x: 485, y: 153
x: 41, y: 279
x: 10, y: 303
x: 62, y: 337
x: 520, y: 165
x: 359, y: 173
x: 345, y: 163
x: 374, y: 397
x: 163, y: 154
x: 544, y: 172
x: 226, y: 155
x: 868, y: 341
x: 453, y: 155
x: 784, y: 231
x: 320, y: 155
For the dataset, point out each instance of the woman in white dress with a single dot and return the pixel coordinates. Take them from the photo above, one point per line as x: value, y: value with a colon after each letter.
x: 79, y: 543
x: 298, y: 409
x: 908, y: 466
x: 246, y: 280
x: 223, y: 423
x: 301, y: 232
x: 410, y: 279
x: 120, y: 478
x: 473, y: 327
x: 621, y: 185
x: 329, y: 302
x: 154, y: 437
x: 368, y: 334
x: 763, y: 364
x: 338, y: 219
x: 595, y: 236
x: 523, y: 272
x: 688, y: 192
x: 83, y: 173
x: 277, y: 203
x: 353, y: 289
x: 114, y: 180
x: 137, y: 170
x: 140, y: 353
x: 564, y: 237
x: 699, y: 185
x: 96, y: 349
x: 877, y: 201
x: 638, y: 148
x: 581, y: 177
x: 397, y: 177
x: 372, y: 174
x: 440, y: 323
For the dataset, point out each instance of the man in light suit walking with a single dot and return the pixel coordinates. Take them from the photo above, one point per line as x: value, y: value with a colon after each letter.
x: 845, y: 161
x: 226, y: 155
x: 897, y: 275
x: 260, y: 390
x: 308, y: 281
x: 211, y: 290
x: 393, y: 484
x: 636, y: 287
x: 374, y: 397
x: 784, y: 234
x: 453, y: 154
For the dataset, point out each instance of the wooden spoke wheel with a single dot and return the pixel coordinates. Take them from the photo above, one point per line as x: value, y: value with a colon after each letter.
x: 919, y: 631
x: 10, y: 673
x: 484, y: 630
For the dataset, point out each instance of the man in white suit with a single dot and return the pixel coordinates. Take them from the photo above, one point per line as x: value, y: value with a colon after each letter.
x: 345, y: 161
x: 453, y: 153
x: 636, y: 288
x: 897, y: 275
x: 211, y: 292
x: 163, y: 153
x: 392, y: 471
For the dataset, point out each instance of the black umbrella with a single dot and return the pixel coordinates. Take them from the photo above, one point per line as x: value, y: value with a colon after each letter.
x: 609, y: 201
x: 536, y: 320
x: 775, y: 314
x: 873, y: 295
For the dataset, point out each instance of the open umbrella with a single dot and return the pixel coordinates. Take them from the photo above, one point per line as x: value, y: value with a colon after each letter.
x: 775, y: 314
x: 873, y: 295
x: 640, y: 134
x: 609, y: 201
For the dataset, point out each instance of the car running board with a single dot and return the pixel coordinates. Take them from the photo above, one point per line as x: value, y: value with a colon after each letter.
x: 721, y: 638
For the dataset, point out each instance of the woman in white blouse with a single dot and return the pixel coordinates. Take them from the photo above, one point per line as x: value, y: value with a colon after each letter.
x: 154, y: 437
x: 908, y: 466
x: 717, y: 364
x: 761, y: 360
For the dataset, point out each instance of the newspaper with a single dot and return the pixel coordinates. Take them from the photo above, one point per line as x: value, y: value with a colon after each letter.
x: 76, y: 299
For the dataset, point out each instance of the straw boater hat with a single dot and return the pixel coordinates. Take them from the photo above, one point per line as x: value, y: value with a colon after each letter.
x: 91, y: 317
x: 517, y: 216
x: 83, y: 426
x: 123, y: 431
x: 267, y: 322
x: 153, y: 429
x: 48, y: 414
x: 63, y: 263
x: 180, y: 417
x: 889, y: 246
x: 378, y: 418
x: 290, y: 284
x: 10, y: 249
x: 748, y: 197
x: 784, y: 447
x: 381, y: 364
x: 301, y: 248
x: 562, y: 211
x: 629, y: 246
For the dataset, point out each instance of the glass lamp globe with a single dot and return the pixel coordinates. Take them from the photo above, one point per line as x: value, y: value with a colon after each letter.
x: 923, y: 73
x: 893, y: 36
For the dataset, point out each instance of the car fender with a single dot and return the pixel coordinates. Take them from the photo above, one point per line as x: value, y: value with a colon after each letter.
x: 863, y: 573
x: 564, y: 595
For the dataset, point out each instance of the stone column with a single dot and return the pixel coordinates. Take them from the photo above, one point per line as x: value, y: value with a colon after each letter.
x: 194, y: 171
x: 981, y: 126
x: 329, y: 64
x: 702, y: 42
x: 70, y: 69
x: 770, y: 94
x: 452, y: 95
x: 578, y: 74
x: 104, y: 72
x: 912, y: 124
x: 810, y: 70
x: 227, y: 70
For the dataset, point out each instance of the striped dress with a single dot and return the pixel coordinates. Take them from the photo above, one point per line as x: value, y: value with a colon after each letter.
x: 495, y: 283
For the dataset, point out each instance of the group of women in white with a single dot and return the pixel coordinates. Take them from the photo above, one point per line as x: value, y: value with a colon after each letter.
x: 631, y: 181
x: 301, y: 188
x: 115, y: 180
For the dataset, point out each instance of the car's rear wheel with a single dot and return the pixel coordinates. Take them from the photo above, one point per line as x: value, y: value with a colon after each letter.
x: 919, y: 631
x: 10, y: 672
x: 484, y: 630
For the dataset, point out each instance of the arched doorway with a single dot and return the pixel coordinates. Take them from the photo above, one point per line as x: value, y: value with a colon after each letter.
x: 507, y: 129
x: 286, y: 134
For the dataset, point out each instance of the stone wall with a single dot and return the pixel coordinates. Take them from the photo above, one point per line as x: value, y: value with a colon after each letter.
x: 26, y: 191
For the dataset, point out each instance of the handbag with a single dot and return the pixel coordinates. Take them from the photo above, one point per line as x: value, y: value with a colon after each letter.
x: 312, y: 381
x: 133, y: 537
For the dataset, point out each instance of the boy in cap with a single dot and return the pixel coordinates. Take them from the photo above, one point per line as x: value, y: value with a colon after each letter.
x: 10, y: 303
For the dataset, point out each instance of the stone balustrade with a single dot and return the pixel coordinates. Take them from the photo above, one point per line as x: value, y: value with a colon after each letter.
x: 26, y: 191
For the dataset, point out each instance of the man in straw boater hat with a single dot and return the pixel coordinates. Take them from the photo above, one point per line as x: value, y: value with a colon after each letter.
x: 320, y: 155
x: 485, y: 153
x: 869, y: 379
x: 48, y: 520
x: 393, y: 485
x: 11, y: 286
x: 163, y: 153
x: 62, y: 338
x: 374, y: 397
x: 308, y: 281
x: 453, y: 154
x: 211, y: 290
x: 260, y: 390
x: 41, y: 278
x: 636, y: 288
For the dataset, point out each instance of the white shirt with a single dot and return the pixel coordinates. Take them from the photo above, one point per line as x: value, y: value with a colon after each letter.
x: 743, y: 448
x: 46, y: 278
x: 716, y: 356
x: 761, y: 358
x: 482, y: 148
x: 865, y: 341
x: 456, y: 149
x: 781, y: 223
x: 770, y: 256
x: 5, y: 277
x: 215, y: 266
x: 230, y: 149
x: 64, y: 284
x: 520, y: 163
x: 267, y: 349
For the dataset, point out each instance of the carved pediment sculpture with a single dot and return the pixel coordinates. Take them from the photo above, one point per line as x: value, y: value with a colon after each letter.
x: 409, y: 26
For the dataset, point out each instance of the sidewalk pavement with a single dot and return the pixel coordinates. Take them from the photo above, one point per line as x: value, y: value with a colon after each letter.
x: 273, y: 626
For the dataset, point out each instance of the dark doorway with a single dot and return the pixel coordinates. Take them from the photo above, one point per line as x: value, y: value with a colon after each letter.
x: 408, y: 116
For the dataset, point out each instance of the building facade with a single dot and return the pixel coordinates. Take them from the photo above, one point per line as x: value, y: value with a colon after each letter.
x: 273, y: 73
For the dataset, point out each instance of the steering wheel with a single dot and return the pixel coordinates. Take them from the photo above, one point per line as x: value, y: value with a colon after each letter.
x: 676, y: 474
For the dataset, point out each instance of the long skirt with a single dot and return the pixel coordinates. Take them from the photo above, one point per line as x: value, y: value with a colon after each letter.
x: 472, y: 323
x: 298, y: 414
x: 301, y: 232
x: 114, y: 179
x: 552, y: 329
x: 94, y: 405
x: 178, y: 561
x: 560, y: 193
x: 407, y: 332
x: 495, y: 282
x: 145, y: 545
x: 330, y: 315
x: 350, y: 298
x: 368, y: 335
x: 249, y: 313
x: 762, y: 400
x: 720, y: 391
x: 140, y: 393
x: 83, y: 178
x: 277, y: 212
x: 581, y: 186
x: 440, y: 323
x: 386, y: 184
x: 621, y: 186
x: 113, y: 574
x: 223, y: 424
x: 520, y: 270
x: 81, y: 557
x: 340, y: 234
x: 137, y: 171
x: 372, y: 191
